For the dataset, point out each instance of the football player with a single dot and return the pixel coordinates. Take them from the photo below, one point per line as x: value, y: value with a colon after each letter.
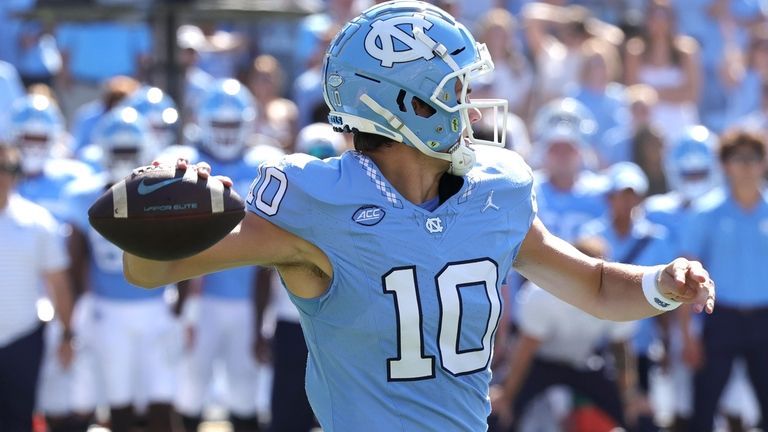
x: 134, y: 337
x: 160, y: 110
x: 221, y: 321
x: 394, y: 253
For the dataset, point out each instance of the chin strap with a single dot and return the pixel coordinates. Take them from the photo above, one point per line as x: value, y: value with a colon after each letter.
x: 461, y: 156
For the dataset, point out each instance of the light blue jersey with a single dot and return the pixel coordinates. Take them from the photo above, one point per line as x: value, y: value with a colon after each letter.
x: 732, y: 243
x: 565, y: 212
x: 629, y: 249
x: 106, y: 260
x: 46, y: 188
x: 232, y: 284
x: 403, y: 337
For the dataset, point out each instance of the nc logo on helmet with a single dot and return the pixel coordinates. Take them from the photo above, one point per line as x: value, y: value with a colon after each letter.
x: 381, y: 41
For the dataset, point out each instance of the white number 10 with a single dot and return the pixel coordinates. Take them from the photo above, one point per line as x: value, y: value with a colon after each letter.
x: 412, y: 363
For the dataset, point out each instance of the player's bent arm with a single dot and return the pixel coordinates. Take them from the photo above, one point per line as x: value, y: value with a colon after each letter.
x: 256, y: 241
x: 606, y: 290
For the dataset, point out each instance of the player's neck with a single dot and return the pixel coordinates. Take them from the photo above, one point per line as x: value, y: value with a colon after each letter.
x: 414, y: 175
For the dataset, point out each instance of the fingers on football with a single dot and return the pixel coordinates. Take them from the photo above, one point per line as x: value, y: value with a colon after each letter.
x: 181, y: 163
x: 225, y: 180
x: 203, y: 169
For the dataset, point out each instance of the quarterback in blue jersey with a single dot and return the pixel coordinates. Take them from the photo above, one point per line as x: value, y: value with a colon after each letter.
x: 394, y: 253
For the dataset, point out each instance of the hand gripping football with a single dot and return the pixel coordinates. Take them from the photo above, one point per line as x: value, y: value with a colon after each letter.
x: 164, y: 213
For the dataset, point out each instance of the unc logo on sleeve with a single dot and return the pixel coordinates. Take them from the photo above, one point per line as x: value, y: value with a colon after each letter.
x: 368, y: 215
x: 389, y: 44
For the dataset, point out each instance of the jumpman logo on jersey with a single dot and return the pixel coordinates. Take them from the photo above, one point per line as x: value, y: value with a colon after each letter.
x: 489, y: 203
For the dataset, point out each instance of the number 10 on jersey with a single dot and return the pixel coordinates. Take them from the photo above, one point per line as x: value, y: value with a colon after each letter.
x: 412, y: 362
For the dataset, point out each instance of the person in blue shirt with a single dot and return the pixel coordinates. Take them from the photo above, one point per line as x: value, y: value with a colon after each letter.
x: 631, y: 238
x: 729, y: 232
x: 135, y: 338
x: 599, y: 90
x: 568, y: 192
x: 220, y: 319
x: 394, y: 253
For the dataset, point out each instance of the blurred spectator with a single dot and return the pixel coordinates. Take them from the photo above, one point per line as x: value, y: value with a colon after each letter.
x: 10, y: 90
x: 276, y: 115
x: 115, y: 90
x: 617, y: 143
x: 718, y: 26
x: 28, y: 44
x: 512, y: 78
x: 312, y: 28
x: 745, y: 74
x: 600, y: 92
x: 669, y: 62
x: 32, y: 255
x: 93, y: 53
x: 555, y: 35
x: 307, y: 91
x: 647, y: 152
x: 556, y: 346
x: 729, y: 234
x: 757, y: 120
x: 567, y: 193
x: 633, y: 239
x: 196, y: 80
x: 219, y: 52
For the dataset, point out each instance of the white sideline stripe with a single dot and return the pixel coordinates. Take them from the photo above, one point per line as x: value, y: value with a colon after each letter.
x: 217, y: 195
x: 120, y: 200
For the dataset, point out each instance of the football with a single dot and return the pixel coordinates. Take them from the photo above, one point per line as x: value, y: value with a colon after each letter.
x: 164, y: 213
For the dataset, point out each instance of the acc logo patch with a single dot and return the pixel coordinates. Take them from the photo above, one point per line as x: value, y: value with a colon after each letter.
x: 334, y: 80
x: 369, y: 215
x: 389, y: 44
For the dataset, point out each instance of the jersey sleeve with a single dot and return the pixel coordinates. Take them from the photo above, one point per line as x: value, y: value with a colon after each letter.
x: 287, y: 193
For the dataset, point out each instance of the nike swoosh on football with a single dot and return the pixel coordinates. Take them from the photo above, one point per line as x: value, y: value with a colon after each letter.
x: 145, y: 189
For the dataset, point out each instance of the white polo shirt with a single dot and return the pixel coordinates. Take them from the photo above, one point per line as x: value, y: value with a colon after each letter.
x: 567, y: 334
x: 31, y: 245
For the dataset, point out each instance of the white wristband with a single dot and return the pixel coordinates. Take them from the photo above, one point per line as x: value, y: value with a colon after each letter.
x: 652, y: 293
